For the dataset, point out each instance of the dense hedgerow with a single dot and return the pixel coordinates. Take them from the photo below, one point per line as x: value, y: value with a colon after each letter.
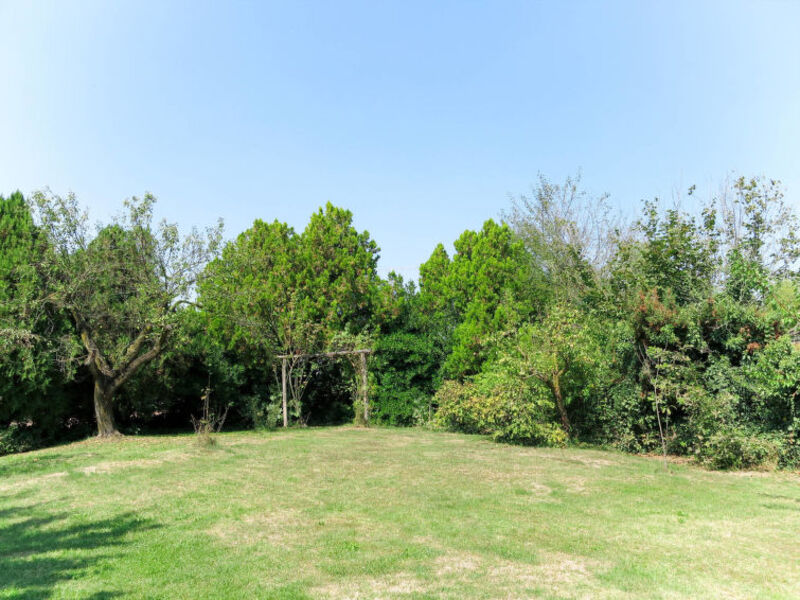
x: 675, y: 333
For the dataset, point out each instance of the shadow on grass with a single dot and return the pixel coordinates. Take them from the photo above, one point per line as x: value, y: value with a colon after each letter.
x: 40, y: 549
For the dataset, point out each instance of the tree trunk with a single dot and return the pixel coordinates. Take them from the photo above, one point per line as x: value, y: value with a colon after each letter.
x: 104, y: 408
x: 562, y: 410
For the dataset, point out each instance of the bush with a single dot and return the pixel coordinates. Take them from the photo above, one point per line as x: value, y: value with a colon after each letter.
x: 264, y: 414
x: 15, y: 438
x: 736, y: 449
x: 499, y: 406
x: 789, y: 453
x: 404, y: 365
x: 789, y: 448
x: 707, y: 415
x: 772, y: 380
x: 403, y: 407
x: 618, y: 418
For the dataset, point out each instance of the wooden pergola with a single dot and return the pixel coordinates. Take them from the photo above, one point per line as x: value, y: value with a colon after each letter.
x: 363, y: 368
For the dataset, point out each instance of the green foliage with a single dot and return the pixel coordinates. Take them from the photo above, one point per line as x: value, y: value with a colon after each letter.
x: 678, y: 333
x: 736, y: 449
x: 525, y: 395
x: 789, y: 447
x: 761, y: 234
x: 673, y: 256
x: 263, y: 414
x: 405, y: 366
x: 36, y: 403
x: 407, y: 357
x: 167, y: 391
x: 771, y: 377
x: 480, y: 291
x: 17, y: 438
x: 561, y: 354
x: 23, y: 370
x: 249, y: 293
x: 273, y: 291
x: 568, y: 236
x: 339, y: 271
x: 501, y: 406
x: 121, y: 289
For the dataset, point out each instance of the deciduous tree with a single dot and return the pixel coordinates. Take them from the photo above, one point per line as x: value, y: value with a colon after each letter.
x: 121, y: 287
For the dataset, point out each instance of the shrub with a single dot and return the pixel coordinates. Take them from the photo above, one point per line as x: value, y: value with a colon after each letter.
x: 264, y: 414
x: 707, y: 414
x: 789, y: 448
x: 209, y: 422
x: 404, y: 365
x: 500, y: 406
x: 772, y: 380
x: 618, y: 418
x: 15, y: 438
x: 737, y: 449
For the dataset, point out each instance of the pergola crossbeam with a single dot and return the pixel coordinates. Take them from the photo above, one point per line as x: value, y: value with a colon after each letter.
x: 324, y: 354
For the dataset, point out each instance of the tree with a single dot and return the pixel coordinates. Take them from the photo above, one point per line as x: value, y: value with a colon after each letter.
x: 30, y: 379
x: 273, y: 291
x: 483, y: 289
x: 121, y: 288
x: 674, y: 254
x: 338, y: 270
x: 250, y: 292
x: 560, y: 353
x: 338, y: 285
x: 407, y: 357
x: 760, y: 237
x: 569, y: 236
x: 437, y: 297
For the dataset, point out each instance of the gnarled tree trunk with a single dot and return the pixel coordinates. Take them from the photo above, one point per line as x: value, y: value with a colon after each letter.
x: 104, y: 407
x: 107, y: 379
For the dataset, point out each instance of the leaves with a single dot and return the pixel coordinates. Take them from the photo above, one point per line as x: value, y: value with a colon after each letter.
x: 121, y: 287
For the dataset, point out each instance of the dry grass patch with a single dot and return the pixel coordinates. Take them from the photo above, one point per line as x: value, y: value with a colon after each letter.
x: 553, y: 573
x: 277, y: 527
x: 397, y: 585
x: 114, y: 465
x: 457, y: 563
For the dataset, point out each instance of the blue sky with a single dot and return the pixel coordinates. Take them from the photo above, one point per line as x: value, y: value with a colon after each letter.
x: 420, y: 117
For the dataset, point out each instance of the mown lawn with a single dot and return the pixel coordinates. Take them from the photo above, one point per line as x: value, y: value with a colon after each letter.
x: 386, y: 513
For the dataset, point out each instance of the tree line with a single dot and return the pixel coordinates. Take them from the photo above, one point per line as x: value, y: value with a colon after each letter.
x: 675, y: 332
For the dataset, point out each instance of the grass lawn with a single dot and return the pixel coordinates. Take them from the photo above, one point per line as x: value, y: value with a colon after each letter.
x: 386, y: 513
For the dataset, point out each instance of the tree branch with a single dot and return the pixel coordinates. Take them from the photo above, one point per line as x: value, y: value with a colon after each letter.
x: 133, y: 349
x: 141, y: 360
x: 95, y: 360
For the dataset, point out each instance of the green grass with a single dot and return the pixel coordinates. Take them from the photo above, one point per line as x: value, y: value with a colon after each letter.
x: 386, y: 513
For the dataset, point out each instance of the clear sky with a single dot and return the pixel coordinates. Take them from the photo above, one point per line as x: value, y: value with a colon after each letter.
x: 420, y: 117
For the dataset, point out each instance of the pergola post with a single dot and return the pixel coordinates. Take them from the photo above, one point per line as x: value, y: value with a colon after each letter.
x: 283, y: 386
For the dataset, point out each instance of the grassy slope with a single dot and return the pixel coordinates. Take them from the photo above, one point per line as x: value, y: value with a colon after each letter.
x: 382, y: 513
